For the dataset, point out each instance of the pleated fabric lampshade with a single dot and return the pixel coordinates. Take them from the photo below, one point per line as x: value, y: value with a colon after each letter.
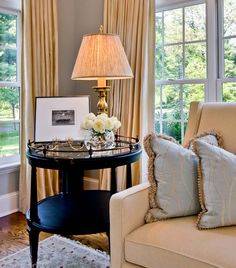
x: 101, y: 57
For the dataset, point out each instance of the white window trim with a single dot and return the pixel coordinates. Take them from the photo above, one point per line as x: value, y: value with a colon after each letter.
x: 212, y: 52
x: 180, y: 5
x: 183, y: 81
x: 221, y: 77
x: 17, y: 83
x: 12, y: 5
x: 184, y: 42
x: 11, y: 164
x: 215, y: 52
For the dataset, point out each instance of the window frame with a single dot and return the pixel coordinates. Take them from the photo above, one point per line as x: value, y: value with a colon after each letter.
x: 13, y: 161
x: 215, y: 78
x: 221, y: 79
x: 18, y: 49
x: 184, y: 81
x: 184, y: 42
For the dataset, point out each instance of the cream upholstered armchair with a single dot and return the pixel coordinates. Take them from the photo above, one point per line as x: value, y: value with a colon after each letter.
x: 175, y: 242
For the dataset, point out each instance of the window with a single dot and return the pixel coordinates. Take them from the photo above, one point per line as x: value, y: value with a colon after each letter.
x: 9, y: 83
x: 187, y: 66
x: 181, y: 66
x: 227, y: 51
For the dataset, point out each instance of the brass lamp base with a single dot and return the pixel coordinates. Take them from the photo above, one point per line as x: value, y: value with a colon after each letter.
x: 102, y: 104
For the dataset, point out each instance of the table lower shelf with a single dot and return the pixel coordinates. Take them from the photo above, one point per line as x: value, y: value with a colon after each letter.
x: 84, y: 213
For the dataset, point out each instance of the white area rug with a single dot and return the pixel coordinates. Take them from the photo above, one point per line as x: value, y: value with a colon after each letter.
x: 59, y: 252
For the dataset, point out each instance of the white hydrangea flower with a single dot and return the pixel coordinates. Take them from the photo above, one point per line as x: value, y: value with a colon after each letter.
x: 109, y: 124
x: 102, y: 116
x: 88, y: 124
x: 116, y: 122
x: 99, y: 126
x: 90, y: 116
x: 100, y: 123
x: 114, y: 118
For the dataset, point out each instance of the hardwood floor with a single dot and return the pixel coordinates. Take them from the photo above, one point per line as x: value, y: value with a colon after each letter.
x: 13, y: 236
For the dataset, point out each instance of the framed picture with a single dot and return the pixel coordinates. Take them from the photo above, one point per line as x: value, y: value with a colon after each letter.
x: 60, y: 118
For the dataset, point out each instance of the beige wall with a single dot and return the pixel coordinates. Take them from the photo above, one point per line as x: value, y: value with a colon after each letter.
x: 76, y: 18
x: 67, y: 44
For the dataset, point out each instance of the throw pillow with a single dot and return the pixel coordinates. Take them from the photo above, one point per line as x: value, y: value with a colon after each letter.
x: 211, y: 137
x: 217, y: 186
x: 172, y: 172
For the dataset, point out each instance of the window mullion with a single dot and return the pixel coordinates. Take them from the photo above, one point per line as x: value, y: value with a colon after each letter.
x: 186, y: 42
x: 182, y: 81
x: 10, y: 116
x: 18, y: 45
x: 163, y: 70
x: 183, y: 10
x: 9, y: 84
x: 182, y: 112
x: 220, y: 42
x: 162, y: 46
x: 161, y: 113
x: 221, y: 38
x: 212, y: 62
x: 179, y: 84
x: 229, y: 36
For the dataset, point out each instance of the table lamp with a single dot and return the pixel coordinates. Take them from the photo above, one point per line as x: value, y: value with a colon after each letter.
x: 101, y: 57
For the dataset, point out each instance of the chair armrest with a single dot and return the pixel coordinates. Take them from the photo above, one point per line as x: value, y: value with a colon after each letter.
x: 127, y: 212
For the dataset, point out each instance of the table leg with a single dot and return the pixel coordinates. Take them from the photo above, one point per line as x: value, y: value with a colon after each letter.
x: 72, y: 180
x: 61, y: 182
x: 33, y: 196
x: 128, y: 176
x: 109, y: 240
x: 33, y: 239
x: 113, y: 181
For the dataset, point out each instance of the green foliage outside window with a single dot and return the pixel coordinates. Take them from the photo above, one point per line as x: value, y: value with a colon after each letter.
x: 177, y: 59
x: 229, y: 89
x: 181, y: 55
x: 9, y: 95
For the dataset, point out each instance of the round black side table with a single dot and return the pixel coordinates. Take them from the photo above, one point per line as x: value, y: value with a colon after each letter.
x: 73, y: 210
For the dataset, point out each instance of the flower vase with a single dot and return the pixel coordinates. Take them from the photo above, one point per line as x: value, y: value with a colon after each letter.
x: 99, y: 141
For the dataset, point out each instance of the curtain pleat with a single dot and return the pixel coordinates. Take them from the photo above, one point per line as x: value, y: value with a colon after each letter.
x: 39, y: 78
x: 132, y: 101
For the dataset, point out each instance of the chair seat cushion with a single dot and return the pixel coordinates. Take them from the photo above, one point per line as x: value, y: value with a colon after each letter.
x: 178, y: 243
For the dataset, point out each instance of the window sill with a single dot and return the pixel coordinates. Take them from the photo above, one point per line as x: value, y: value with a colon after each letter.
x: 9, y: 164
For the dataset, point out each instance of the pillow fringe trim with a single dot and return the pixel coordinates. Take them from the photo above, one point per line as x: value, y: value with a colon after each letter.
x: 154, y: 183
x: 201, y: 194
x: 212, y: 132
x: 151, y: 177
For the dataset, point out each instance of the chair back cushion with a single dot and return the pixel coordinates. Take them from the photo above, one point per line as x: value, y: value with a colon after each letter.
x: 217, y: 116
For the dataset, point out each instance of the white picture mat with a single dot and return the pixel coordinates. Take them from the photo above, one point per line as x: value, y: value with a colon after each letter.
x: 45, y: 131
